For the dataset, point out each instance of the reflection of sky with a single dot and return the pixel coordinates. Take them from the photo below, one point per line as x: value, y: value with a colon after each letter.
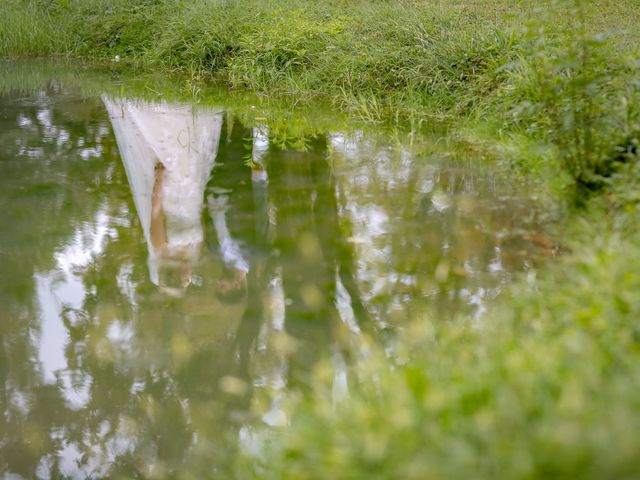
x: 50, y: 132
x: 382, y: 185
x: 60, y: 295
x: 74, y: 463
x: 53, y: 334
x: 88, y: 241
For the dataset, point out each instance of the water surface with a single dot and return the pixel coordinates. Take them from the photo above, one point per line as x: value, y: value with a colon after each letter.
x: 171, y: 269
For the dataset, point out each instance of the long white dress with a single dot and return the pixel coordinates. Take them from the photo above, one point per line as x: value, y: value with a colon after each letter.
x: 184, y: 139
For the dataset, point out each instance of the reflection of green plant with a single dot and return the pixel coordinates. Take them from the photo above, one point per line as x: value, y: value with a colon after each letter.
x: 192, y: 87
x: 290, y: 132
x: 287, y: 140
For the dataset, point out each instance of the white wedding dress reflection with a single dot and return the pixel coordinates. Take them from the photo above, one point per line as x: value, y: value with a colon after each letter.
x: 168, y: 151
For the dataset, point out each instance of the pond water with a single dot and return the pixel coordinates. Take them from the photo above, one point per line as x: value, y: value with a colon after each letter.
x: 171, y: 269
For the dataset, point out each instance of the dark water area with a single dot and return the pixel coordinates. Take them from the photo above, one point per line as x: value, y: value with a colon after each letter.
x: 171, y: 270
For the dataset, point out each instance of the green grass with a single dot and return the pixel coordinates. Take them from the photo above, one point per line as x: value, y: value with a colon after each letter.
x: 26, y: 30
x: 561, y: 73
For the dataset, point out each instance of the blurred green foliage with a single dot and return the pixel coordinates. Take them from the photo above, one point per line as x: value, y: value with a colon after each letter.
x: 545, y: 387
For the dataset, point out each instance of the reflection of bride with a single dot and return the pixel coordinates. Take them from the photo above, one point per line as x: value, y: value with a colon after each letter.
x: 168, y: 151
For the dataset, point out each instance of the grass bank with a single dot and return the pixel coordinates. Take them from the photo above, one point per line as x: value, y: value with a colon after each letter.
x: 557, y: 74
x: 547, y: 387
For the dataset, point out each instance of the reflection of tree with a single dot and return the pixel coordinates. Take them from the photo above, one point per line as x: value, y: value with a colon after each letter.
x: 246, y: 212
x: 428, y: 228
x: 49, y: 160
x: 313, y: 251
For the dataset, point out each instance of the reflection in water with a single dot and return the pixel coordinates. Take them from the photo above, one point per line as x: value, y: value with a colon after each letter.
x: 168, y: 152
x: 318, y: 257
x: 173, y: 276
